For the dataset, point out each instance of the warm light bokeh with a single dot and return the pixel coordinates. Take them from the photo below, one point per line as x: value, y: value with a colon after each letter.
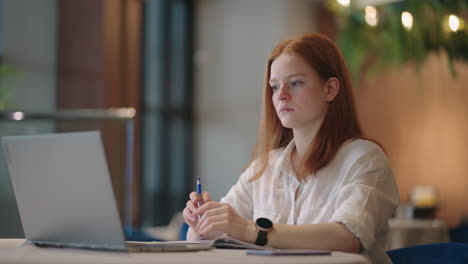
x: 407, y: 20
x: 343, y: 2
x: 454, y: 23
x: 371, y: 16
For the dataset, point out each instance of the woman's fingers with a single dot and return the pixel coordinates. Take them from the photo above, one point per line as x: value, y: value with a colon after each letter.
x: 221, y: 217
x: 212, y: 213
x: 191, y: 207
x: 207, y: 206
x: 193, y: 197
x: 206, y: 197
x: 189, y: 219
x: 209, y: 214
x: 213, y: 223
x: 207, y: 220
x: 192, y: 212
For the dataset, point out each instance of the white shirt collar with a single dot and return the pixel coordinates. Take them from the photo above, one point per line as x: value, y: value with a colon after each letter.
x: 285, y: 162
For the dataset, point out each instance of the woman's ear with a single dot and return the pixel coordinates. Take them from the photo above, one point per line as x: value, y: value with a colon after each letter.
x: 332, y: 88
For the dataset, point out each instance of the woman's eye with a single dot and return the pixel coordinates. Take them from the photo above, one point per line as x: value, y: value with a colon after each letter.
x: 274, y: 87
x: 296, y: 83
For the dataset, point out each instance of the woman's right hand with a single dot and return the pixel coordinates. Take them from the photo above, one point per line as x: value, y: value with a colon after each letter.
x: 191, y: 206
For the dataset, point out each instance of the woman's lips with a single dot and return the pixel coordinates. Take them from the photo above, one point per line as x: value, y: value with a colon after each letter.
x: 285, y: 109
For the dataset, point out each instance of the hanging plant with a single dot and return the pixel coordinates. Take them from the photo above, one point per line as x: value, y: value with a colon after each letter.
x: 398, y: 32
x: 6, y: 73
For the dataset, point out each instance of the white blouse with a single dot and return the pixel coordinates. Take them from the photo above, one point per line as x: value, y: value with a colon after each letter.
x: 357, y: 188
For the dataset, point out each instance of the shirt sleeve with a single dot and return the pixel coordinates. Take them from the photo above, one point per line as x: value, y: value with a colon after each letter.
x: 240, y: 195
x: 367, y: 201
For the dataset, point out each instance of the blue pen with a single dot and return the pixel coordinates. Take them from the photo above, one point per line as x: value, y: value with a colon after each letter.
x: 199, y: 194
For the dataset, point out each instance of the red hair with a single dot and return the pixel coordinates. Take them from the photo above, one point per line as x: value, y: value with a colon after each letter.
x: 340, y: 122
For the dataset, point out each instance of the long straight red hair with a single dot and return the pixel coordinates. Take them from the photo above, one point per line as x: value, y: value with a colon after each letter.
x: 340, y: 122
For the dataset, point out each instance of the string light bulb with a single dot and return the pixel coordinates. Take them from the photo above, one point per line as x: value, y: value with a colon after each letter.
x: 407, y: 20
x: 344, y: 3
x: 454, y: 23
x: 371, y: 16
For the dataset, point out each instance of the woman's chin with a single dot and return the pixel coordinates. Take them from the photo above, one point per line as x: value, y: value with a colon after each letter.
x: 287, y: 124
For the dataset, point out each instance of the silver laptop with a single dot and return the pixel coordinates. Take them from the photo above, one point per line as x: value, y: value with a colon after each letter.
x: 64, y: 193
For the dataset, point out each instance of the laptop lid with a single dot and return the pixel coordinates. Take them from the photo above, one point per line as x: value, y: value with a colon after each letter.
x: 63, y: 190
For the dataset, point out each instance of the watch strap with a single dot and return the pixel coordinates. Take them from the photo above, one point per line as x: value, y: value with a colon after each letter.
x: 261, y: 238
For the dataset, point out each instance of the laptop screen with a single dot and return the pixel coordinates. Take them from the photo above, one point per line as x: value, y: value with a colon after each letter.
x: 63, y: 189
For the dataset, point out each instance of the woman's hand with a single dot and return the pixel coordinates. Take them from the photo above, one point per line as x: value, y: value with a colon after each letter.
x: 191, y: 206
x: 221, y: 217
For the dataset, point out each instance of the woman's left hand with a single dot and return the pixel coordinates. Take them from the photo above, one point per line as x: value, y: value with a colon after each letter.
x: 222, y: 217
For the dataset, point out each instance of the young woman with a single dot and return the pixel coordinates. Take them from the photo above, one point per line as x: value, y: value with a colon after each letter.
x: 313, y: 182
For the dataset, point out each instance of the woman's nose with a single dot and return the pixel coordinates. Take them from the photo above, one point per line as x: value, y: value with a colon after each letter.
x: 283, y: 93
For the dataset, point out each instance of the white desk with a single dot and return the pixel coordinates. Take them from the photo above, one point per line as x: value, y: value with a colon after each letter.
x: 17, y: 251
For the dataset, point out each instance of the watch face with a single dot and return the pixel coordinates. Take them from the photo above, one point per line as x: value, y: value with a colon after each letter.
x: 264, y: 223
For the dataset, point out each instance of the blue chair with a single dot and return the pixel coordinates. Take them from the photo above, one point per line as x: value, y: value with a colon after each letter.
x: 459, y: 234
x: 183, y: 231
x: 135, y: 234
x: 441, y: 253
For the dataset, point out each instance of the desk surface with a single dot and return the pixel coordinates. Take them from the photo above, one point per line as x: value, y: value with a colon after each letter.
x: 17, y: 251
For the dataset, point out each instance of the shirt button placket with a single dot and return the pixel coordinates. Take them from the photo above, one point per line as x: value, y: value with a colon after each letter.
x: 292, y: 194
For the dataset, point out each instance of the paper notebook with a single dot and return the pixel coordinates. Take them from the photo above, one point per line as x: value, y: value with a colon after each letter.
x: 289, y: 252
x: 228, y: 242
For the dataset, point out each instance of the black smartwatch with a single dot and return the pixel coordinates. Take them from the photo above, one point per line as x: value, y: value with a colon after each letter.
x: 264, y: 225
